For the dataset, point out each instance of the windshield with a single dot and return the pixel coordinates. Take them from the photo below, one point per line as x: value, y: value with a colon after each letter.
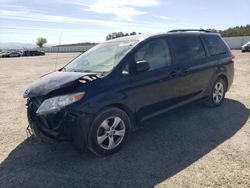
x: 101, y: 58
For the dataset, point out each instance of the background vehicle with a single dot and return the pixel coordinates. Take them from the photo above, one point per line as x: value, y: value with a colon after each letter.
x: 101, y: 96
x: 33, y: 53
x: 2, y: 52
x: 10, y: 54
x: 246, y: 47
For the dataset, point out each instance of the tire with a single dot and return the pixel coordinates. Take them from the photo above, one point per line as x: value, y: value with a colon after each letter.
x: 109, y: 132
x: 217, y: 93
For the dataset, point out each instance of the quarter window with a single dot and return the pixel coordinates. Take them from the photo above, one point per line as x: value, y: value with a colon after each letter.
x: 188, y: 48
x: 156, y: 53
x: 215, y: 45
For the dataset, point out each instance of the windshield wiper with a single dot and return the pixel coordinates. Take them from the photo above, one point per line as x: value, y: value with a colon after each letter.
x: 87, y: 71
x: 80, y: 70
x: 63, y: 69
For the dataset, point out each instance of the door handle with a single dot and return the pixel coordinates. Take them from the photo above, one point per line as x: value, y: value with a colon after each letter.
x: 176, y: 73
x: 173, y: 74
x: 184, y: 71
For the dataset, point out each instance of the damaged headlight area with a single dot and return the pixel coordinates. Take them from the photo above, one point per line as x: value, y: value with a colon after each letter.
x: 55, y: 104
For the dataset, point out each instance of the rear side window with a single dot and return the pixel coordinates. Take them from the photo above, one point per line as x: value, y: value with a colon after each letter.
x: 215, y: 45
x: 188, y: 49
x: 156, y: 53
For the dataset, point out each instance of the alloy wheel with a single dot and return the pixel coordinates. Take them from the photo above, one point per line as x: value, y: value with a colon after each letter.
x: 111, y: 132
x: 218, y: 92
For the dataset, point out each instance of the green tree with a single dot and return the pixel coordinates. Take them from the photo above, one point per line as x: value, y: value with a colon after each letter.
x: 41, y: 41
x: 119, y: 34
x: 236, y: 31
x: 133, y: 33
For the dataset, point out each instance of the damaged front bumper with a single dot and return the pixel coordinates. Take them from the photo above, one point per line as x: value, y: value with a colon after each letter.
x: 65, y: 125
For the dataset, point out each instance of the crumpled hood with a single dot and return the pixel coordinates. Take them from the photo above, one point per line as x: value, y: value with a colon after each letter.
x: 51, y: 82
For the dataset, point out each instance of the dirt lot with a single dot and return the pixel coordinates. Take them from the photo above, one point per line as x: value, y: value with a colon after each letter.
x: 193, y: 146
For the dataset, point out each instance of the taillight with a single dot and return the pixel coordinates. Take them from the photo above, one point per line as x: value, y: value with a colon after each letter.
x: 233, y: 57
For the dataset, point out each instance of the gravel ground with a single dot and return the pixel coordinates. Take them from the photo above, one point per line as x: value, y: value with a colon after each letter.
x: 193, y: 146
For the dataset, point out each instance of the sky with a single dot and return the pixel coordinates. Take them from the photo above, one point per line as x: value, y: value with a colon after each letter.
x: 91, y: 20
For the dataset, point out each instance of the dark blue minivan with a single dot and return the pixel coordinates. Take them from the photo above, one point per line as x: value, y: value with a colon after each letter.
x: 97, y: 99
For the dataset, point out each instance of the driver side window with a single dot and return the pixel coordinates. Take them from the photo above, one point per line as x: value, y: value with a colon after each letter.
x: 156, y: 53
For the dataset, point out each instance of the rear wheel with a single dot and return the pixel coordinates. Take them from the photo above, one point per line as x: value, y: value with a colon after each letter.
x: 217, y: 93
x: 109, y: 131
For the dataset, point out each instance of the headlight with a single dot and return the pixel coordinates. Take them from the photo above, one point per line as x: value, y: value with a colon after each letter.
x: 57, y: 103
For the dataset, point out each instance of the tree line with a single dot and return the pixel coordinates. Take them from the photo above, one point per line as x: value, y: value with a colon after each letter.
x: 236, y: 31
x: 230, y: 32
x: 233, y: 31
x: 78, y: 44
x: 120, y: 34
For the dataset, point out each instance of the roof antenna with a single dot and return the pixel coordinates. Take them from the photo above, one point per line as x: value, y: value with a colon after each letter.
x: 59, y: 43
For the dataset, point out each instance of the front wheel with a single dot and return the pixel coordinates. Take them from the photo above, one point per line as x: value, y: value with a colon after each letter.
x: 109, y: 131
x: 217, y: 93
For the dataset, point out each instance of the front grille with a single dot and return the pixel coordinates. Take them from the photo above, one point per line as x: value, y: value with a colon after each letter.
x: 37, y: 101
x: 34, y: 103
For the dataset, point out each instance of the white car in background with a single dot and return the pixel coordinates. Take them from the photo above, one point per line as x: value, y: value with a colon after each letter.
x: 245, y: 47
x: 10, y: 54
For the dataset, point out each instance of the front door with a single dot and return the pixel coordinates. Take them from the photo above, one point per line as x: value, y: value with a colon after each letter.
x: 147, y: 86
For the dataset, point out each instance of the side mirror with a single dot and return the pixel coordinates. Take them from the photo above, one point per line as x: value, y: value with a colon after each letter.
x: 142, y: 66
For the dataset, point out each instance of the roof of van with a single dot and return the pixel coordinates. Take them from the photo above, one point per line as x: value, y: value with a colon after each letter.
x: 174, y: 32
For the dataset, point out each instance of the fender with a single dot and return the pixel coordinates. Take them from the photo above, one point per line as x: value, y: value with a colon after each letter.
x: 94, y: 105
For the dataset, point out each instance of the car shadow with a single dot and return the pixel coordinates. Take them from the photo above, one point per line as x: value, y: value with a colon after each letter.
x: 165, y: 146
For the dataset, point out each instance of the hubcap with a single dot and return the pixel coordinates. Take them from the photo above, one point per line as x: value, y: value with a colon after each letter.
x: 218, y: 92
x: 110, y: 133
